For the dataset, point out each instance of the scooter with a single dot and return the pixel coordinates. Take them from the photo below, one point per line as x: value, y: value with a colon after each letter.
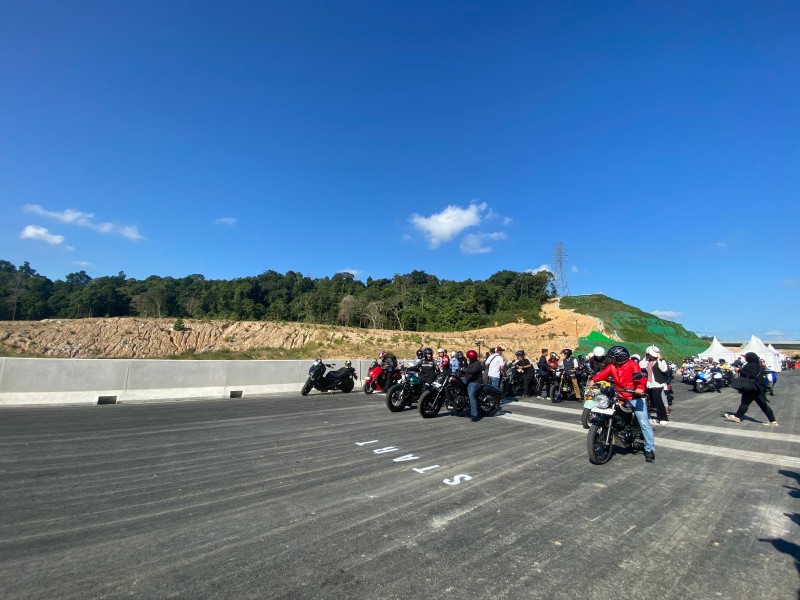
x: 341, y: 379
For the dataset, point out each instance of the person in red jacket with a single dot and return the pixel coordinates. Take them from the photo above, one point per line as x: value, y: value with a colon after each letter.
x: 622, y: 369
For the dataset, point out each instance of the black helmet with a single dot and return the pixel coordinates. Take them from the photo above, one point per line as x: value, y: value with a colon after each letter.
x: 519, y: 353
x: 620, y: 354
x: 566, y: 352
x: 460, y: 355
x: 419, y: 353
x: 428, y: 352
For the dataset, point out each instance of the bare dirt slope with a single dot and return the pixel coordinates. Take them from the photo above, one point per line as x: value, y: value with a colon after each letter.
x: 156, y: 338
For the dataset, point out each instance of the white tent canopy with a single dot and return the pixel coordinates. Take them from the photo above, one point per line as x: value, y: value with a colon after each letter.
x: 771, y: 348
x: 717, y: 351
x: 756, y: 345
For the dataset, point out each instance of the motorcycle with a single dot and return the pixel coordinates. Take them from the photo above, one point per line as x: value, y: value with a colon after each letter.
x: 771, y: 378
x: 562, y: 389
x: 374, y: 375
x: 612, y: 420
x: 706, y: 380
x: 406, y: 392
x: 341, y: 379
x: 448, y: 390
x: 513, y: 384
x: 687, y: 374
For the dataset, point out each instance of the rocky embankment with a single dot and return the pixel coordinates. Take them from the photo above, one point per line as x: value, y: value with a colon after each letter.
x: 158, y: 338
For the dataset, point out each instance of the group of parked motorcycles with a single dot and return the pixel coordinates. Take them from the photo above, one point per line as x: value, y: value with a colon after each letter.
x: 704, y: 377
x: 405, y: 389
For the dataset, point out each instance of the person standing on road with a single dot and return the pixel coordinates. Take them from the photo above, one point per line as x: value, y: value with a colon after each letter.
x: 494, y: 366
x: 528, y: 374
x: 622, y: 370
x: 473, y: 375
x: 752, y: 370
x: 656, y: 369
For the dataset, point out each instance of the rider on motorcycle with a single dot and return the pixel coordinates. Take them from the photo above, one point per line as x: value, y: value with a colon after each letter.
x: 418, y: 359
x: 427, y: 367
x: 473, y: 376
x: 622, y: 370
x: 388, y: 362
x: 598, y: 360
x: 570, y: 365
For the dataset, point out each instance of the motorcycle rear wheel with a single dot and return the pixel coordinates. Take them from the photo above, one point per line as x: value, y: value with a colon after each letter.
x: 599, y: 452
x: 369, y: 387
x: 428, y: 406
x: 488, y: 404
x: 395, y: 399
x: 347, y: 386
x: 307, y: 387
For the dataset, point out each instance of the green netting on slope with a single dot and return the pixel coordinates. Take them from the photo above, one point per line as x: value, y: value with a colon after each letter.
x: 636, y: 328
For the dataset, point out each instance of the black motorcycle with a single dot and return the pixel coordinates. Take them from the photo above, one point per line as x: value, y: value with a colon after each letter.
x: 406, y: 392
x: 612, y: 420
x: 448, y: 390
x: 513, y: 384
x: 561, y: 389
x: 341, y: 379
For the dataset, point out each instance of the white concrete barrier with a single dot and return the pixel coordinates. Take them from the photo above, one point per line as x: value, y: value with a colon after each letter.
x: 31, y: 381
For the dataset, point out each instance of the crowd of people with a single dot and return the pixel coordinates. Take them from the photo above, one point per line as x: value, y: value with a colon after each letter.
x: 527, y: 378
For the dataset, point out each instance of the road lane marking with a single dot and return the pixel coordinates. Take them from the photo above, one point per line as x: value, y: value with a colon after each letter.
x: 759, y: 457
x: 768, y: 434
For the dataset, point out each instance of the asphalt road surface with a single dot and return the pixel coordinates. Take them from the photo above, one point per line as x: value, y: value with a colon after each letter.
x: 333, y: 496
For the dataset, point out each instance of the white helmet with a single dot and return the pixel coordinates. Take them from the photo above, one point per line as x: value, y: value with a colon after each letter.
x: 599, y: 352
x: 653, y: 351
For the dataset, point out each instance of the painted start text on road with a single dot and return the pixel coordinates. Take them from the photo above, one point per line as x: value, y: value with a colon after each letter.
x: 456, y: 480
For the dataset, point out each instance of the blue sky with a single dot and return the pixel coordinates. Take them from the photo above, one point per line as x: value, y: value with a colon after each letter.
x: 659, y: 141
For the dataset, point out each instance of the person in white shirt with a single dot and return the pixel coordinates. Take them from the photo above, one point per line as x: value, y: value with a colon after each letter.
x: 656, y: 369
x: 494, y: 366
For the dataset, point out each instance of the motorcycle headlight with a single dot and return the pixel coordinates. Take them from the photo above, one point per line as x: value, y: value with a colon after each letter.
x: 602, y: 401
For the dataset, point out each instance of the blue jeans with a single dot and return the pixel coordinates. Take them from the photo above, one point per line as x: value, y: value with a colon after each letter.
x: 494, y: 382
x: 472, y: 392
x: 640, y: 410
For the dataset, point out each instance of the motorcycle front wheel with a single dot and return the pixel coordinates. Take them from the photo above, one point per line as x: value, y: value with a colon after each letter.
x: 555, y: 393
x: 428, y: 406
x: 587, y: 412
x: 369, y: 387
x: 699, y: 387
x: 600, y: 452
x: 395, y: 398
x: 307, y: 387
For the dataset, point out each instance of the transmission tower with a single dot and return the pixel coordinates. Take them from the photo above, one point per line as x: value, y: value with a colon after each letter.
x: 559, y: 257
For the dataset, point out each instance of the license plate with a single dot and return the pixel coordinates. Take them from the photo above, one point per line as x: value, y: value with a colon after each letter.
x: 603, y: 411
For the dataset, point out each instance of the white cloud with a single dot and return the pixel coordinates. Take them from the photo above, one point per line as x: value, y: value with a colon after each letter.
x: 84, y: 263
x: 353, y: 272
x: 71, y: 216
x: 444, y: 226
x: 41, y: 234
x: 790, y: 282
x: 666, y: 314
x: 721, y: 245
x: 774, y: 333
x: 225, y: 221
x: 473, y: 242
x: 574, y: 269
x: 540, y: 268
x: 507, y: 221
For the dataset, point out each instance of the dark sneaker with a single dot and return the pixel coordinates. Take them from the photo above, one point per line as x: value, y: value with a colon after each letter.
x: 649, y: 456
x: 475, y: 419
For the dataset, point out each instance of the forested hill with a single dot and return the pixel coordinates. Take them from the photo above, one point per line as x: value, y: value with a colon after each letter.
x: 416, y: 301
